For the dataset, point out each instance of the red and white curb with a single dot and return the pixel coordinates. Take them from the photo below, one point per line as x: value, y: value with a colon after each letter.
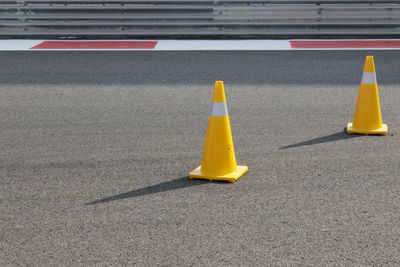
x: 198, y: 45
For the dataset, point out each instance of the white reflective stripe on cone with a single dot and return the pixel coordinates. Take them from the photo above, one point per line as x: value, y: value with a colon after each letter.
x: 369, y: 78
x: 219, y: 109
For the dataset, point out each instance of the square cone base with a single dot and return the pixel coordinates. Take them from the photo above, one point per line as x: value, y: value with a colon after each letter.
x: 382, y: 131
x: 229, y: 177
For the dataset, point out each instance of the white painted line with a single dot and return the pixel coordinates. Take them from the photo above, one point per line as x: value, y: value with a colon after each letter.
x: 163, y: 45
x: 17, y: 45
x: 212, y: 45
x: 222, y: 45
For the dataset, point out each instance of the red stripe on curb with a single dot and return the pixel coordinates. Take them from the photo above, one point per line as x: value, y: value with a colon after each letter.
x: 95, y: 45
x: 347, y: 44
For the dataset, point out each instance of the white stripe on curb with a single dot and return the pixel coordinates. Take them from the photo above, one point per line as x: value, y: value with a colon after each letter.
x: 369, y: 78
x: 219, y: 109
x: 164, y: 45
x: 206, y: 45
x: 18, y: 45
x: 201, y: 45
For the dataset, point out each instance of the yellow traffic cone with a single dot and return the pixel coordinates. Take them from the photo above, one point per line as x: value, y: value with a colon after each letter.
x: 367, y: 118
x: 219, y: 162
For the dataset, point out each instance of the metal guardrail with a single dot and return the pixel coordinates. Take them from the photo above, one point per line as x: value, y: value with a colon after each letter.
x: 198, y: 18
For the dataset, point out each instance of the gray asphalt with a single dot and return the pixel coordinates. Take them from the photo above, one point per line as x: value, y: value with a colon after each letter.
x: 96, y: 147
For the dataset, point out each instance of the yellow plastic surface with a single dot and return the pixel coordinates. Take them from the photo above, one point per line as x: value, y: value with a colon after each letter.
x: 229, y: 177
x: 367, y: 117
x: 383, y: 130
x: 219, y: 92
x: 219, y: 162
x: 219, y: 154
x: 369, y: 65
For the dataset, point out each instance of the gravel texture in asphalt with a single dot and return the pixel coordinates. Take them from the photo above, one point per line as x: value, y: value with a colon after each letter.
x: 96, y: 148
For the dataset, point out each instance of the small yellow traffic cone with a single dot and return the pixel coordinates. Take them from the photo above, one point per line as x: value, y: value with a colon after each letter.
x: 219, y: 162
x: 367, y: 117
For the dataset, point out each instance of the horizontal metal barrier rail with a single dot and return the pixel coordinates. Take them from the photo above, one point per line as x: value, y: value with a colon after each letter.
x: 198, y: 18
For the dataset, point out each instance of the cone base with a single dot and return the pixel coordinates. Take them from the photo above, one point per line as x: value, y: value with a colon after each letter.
x: 229, y: 177
x: 382, y: 131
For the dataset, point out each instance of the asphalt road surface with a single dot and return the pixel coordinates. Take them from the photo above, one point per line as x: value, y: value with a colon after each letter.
x: 96, y: 148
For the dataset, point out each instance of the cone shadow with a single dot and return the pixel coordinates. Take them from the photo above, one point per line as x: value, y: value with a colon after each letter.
x: 179, y: 183
x: 323, y: 139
